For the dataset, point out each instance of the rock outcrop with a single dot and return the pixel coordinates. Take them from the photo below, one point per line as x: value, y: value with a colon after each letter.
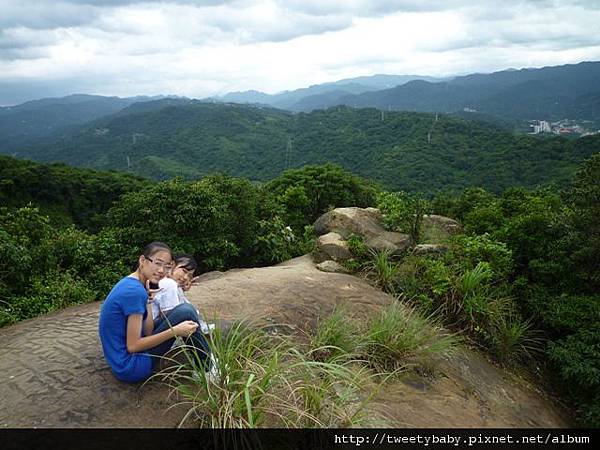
x: 447, y: 224
x: 331, y: 246
x: 429, y: 249
x: 332, y: 267
x: 54, y: 375
x: 364, y: 222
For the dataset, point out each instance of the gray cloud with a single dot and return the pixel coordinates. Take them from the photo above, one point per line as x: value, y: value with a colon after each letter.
x: 45, y: 15
x: 190, y: 47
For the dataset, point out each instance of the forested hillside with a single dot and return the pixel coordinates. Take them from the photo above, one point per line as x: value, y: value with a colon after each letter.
x: 415, y: 152
x: 66, y: 194
x: 41, y: 118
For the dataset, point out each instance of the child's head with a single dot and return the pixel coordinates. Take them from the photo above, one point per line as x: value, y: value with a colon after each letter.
x: 184, y: 267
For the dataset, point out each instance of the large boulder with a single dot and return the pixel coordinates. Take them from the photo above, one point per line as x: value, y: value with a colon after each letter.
x: 447, y: 224
x: 395, y: 243
x: 331, y: 246
x: 365, y: 223
x: 348, y: 221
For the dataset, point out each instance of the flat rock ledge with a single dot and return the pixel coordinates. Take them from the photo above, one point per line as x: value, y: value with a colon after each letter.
x: 53, y: 374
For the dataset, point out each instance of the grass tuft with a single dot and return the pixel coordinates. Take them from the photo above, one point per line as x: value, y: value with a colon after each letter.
x: 400, y: 338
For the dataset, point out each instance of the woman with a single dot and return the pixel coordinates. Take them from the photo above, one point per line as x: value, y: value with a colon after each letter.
x: 129, y: 338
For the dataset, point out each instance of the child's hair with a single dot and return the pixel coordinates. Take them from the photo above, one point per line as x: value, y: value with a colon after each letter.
x: 186, y: 261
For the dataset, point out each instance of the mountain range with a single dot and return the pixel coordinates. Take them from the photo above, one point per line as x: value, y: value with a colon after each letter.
x: 322, y: 95
x: 549, y: 93
x: 415, y: 151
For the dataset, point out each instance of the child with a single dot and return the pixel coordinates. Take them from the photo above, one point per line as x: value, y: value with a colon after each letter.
x: 171, y: 291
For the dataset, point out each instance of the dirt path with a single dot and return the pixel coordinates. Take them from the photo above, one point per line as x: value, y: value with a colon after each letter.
x: 53, y: 374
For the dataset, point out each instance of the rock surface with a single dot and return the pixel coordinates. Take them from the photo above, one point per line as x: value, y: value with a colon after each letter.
x: 343, y: 222
x: 331, y: 246
x: 332, y: 267
x: 347, y: 221
x: 53, y: 373
x: 428, y: 249
x: 449, y: 225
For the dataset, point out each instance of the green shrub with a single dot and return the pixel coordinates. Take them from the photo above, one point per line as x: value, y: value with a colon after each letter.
x: 203, y: 218
x: 400, y: 338
x: 358, y: 248
x: 403, y: 212
x: 469, y: 251
x: 577, y: 357
x: 514, y: 340
x: 49, y: 293
x: 15, y: 265
x: 308, y: 192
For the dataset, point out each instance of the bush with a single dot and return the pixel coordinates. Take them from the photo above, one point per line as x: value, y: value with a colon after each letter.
x: 383, y: 270
x: 49, y: 293
x: 214, y: 219
x: 468, y: 288
x: 403, y: 212
x: 313, y: 190
x: 515, y: 340
x: 276, y: 242
x: 469, y: 251
x: 577, y: 357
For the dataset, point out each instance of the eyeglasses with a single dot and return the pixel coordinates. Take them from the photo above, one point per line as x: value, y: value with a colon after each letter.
x: 160, y: 264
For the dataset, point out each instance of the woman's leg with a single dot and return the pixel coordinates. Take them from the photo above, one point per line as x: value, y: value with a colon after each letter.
x: 180, y: 313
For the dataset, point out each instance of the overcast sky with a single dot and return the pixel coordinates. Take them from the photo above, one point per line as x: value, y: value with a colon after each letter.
x: 199, y: 48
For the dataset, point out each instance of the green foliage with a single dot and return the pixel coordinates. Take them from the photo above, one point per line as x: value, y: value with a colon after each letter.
x: 276, y: 242
x: 515, y: 340
x: 358, y: 248
x: 44, y: 268
x: 468, y: 287
x: 47, y: 293
x: 469, y: 251
x: 403, y: 212
x: 407, y: 151
x: 400, y: 338
x: 577, y: 357
x: 383, y: 269
x: 65, y: 194
x: 336, y: 336
x: 582, y: 213
x: 266, y: 381
x: 214, y: 218
x: 309, y: 192
x: 553, y: 239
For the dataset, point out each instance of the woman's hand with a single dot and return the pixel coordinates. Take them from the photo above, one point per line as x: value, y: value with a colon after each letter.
x: 185, y: 328
x: 151, y: 292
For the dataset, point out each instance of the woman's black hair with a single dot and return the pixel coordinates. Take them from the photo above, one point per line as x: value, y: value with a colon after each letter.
x: 186, y: 261
x: 154, y: 247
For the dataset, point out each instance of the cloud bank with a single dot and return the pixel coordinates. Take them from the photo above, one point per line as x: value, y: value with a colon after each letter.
x: 202, y: 48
